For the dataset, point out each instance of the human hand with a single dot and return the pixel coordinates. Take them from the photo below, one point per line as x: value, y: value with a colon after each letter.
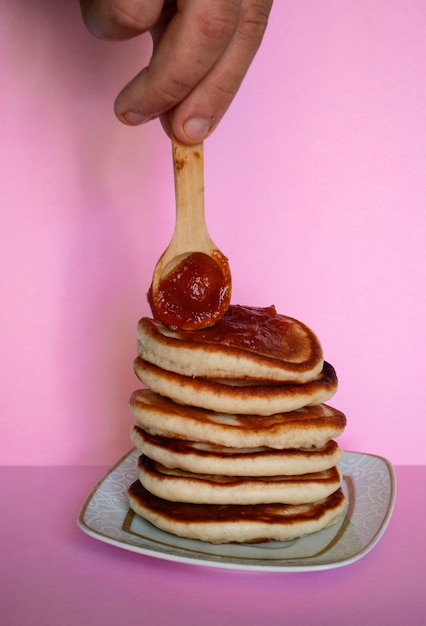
x: 202, y: 50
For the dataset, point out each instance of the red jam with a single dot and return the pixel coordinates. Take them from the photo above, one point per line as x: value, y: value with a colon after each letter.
x: 195, y: 294
x: 260, y: 330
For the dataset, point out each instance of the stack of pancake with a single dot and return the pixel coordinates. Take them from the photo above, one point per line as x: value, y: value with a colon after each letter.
x: 237, y: 443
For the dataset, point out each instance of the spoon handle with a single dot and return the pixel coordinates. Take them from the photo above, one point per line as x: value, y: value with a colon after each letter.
x: 188, y: 168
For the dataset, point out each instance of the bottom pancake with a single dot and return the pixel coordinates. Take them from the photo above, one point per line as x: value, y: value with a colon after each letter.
x: 236, y: 523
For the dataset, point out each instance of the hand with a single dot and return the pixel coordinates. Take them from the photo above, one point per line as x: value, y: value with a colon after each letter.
x: 201, y: 53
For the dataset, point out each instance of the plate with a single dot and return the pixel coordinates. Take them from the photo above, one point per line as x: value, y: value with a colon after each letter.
x: 368, y: 483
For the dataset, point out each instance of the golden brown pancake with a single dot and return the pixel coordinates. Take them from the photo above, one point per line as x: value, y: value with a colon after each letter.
x: 247, y: 343
x: 303, y: 428
x: 205, y: 458
x: 182, y: 486
x: 236, y: 523
x: 239, y: 397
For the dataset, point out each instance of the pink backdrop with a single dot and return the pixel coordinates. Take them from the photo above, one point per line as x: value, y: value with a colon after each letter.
x: 315, y: 189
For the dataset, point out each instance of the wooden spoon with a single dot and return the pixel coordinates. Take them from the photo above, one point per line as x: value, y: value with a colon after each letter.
x: 191, y: 284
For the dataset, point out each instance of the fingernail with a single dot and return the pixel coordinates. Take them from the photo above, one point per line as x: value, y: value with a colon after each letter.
x: 134, y: 118
x: 197, y: 128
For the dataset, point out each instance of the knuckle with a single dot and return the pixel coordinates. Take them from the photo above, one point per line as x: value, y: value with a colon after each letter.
x: 254, y: 20
x: 226, y: 87
x: 219, y: 22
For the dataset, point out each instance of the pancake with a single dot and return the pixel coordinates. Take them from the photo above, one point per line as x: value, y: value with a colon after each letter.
x: 204, y: 458
x: 180, y: 486
x: 239, y: 397
x: 304, y: 428
x: 235, y: 523
x: 247, y: 343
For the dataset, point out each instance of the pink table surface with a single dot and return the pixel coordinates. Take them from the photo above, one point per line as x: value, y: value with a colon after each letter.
x: 53, y: 573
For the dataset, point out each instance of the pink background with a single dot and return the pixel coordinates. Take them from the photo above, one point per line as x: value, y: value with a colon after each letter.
x: 315, y: 189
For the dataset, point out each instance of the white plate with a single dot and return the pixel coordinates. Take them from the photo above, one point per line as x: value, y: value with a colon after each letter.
x: 369, y: 485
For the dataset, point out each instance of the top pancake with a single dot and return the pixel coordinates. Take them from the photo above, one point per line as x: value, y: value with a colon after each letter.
x: 247, y: 343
